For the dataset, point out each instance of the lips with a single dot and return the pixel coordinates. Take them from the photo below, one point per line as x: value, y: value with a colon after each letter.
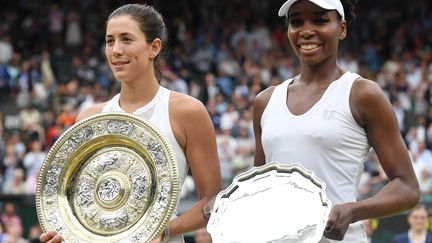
x: 119, y: 63
x: 309, y: 46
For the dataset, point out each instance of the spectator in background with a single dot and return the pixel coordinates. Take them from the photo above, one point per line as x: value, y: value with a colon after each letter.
x: 4, y: 82
x: 214, y: 114
x: 210, y: 86
x: 418, y: 219
x: 67, y: 116
x: 31, y: 124
x: 48, y: 77
x: 15, y: 234
x: 425, y: 183
x: 31, y: 183
x: 6, y: 49
x: 175, y: 83
x: 242, y: 161
x: 10, y: 217
x: 16, y: 186
x: 229, y: 117
x: 14, y: 71
x: 53, y: 133
x: 227, y: 146
x: 73, y: 29
x: 86, y: 98
x: 225, y: 83
x: 33, y: 159
x: 30, y: 117
x: 401, y: 115
x: 56, y: 25
x: 10, y: 163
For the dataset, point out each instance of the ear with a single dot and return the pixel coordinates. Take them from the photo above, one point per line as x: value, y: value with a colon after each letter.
x: 343, y: 32
x: 155, y: 48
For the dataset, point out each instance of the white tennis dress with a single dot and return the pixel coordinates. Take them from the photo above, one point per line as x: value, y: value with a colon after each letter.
x: 326, y: 140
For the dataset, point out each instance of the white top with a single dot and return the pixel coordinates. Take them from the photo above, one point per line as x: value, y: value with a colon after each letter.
x: 157, y: 113
x: 326, y: 140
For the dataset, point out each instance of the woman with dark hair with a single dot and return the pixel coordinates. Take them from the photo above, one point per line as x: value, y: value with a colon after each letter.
x: 327, y: 119
x: 135, y: 37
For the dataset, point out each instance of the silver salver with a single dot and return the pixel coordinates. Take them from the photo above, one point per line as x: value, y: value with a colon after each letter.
x: 109, y: 178
x: 271, y: 203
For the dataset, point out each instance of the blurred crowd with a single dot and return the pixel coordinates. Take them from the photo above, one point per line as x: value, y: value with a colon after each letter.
x: 52, y: 66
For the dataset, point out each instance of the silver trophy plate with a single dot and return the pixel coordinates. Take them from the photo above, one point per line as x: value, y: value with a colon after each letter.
x: 109, y: 178
x: 271, y: 203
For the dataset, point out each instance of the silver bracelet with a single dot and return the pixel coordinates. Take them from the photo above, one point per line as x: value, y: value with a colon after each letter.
x: 165, y: 237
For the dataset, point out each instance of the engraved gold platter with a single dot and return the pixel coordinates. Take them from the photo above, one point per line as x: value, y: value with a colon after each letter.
x: 109, y: 178
x: 271, y: 203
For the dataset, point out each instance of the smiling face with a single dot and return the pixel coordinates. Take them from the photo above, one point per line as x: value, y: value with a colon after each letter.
x: 314, y: 32
x: 127, y: 51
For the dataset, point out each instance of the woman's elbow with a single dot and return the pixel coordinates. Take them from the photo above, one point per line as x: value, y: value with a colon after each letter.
x: 413, y: 195
x: 416, y: 196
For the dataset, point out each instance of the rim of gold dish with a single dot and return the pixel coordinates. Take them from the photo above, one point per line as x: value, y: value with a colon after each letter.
x: 112, y: 177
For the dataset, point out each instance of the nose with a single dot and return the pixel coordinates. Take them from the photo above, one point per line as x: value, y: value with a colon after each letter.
x: 307, y: 31
x: 117, y: 49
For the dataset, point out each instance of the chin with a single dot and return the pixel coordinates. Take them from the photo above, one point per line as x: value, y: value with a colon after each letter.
x: 120, y: 75
x: 310, y: 62
x: 120, y: 78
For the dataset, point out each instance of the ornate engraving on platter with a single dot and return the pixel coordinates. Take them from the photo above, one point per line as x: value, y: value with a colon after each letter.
x: 104, y: 176
x: 52, y: 179
x: 156, y: 150
x: 114, y: 221
x: 140, y: 188
x: 84, y: 195
x: 105, y: 162
x: 105, y: 187
x: 100, y: 128
x: 81, y: 136
x: 120, y: 127
x: 53, y: 220
x: 108, y: 189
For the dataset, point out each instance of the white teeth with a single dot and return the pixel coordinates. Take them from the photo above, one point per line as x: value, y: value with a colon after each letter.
x: 309, y: 46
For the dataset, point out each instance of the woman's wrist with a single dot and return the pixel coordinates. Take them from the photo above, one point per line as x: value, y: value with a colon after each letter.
x: 165, y: 234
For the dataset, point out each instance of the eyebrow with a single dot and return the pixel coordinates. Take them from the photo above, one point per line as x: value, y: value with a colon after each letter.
x: 121, y: 34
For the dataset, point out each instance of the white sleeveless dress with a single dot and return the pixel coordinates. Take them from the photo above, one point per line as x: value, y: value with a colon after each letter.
x: 157, y: 113
x: 326, y: 140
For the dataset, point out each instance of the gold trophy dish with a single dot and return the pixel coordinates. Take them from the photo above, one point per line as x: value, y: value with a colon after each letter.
x: 109, y: 178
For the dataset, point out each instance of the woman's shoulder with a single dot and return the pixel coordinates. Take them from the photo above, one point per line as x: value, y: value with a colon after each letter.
x: 366, y: 100
x: 365, y: 89
x: 263, y: 97
x: 183, y: 104
x: 266, y: 93
x: 92, y: 110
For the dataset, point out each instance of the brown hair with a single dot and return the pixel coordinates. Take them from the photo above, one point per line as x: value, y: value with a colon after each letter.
x: 151, y: 24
